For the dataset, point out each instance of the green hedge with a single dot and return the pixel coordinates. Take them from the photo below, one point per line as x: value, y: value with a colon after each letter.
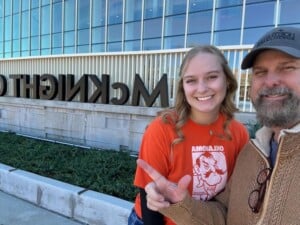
x: 107, y: 171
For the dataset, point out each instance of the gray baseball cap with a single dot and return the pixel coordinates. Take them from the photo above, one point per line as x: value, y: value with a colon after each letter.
x: 285, y: 39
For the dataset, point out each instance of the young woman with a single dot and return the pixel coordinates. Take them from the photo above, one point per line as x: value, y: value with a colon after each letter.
x: 199, y: 136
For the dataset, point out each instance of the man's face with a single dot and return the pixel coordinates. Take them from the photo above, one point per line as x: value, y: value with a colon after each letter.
x: 275, y: 89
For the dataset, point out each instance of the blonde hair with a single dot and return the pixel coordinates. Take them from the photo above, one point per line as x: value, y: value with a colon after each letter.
x: 179, y: 114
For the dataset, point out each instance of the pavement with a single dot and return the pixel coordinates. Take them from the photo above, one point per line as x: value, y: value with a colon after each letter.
x: 15, y: 211
x: 31, y: 199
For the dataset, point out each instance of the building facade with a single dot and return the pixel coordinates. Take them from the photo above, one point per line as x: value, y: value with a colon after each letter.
x: 87, y: 71
x: 52, y: 27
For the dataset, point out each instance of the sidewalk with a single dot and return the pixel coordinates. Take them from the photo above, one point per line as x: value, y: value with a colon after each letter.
x: 15, y: 211
x: 39, y: 197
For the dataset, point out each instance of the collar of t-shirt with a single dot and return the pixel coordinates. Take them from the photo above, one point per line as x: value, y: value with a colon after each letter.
x: 273, y: 152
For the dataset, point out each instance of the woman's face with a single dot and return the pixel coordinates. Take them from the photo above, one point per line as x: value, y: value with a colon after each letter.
x: 204, y: 84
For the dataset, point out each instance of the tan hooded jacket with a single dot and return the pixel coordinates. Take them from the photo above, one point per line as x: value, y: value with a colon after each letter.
x: 281, y: 204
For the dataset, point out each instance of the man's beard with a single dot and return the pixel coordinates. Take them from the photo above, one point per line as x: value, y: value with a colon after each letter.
x: 282, y: 113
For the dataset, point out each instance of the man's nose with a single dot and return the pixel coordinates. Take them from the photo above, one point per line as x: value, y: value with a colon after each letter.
x: 272, y: 79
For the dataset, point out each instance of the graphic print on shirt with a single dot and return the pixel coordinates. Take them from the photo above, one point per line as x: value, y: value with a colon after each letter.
x: 209, y: 171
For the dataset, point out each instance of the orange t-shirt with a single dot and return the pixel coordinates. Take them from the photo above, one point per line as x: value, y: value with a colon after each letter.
x: 204, y: 154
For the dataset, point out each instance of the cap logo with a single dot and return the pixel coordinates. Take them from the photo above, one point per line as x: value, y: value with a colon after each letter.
x: 280, y: 34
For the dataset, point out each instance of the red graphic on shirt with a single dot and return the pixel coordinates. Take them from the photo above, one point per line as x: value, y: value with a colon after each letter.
x: 209, y: 174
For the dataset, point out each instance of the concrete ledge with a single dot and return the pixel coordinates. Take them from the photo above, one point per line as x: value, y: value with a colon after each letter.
x: 82, y: 205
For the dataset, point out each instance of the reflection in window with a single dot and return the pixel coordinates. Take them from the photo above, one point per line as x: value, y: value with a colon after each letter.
x: 98, y: 35
x: 133, y: 10
x: 114, y: 47
x: 196, y: 39
x: 83, y: 14
x: 197, y: 5
x: 25, y: 27
x: 45, y: 41
x: 83, y: 37
x: 98, y: 48
x: 45, y: 20
x: 115, y: 8
x: 200, y: 22
x: 16, y: 26
x: 16, y: 45
x: 153, y: 9
x: 25, y: 44
x: 56, y: 40
x: 115, y: 33
x: 152, y: 44
x: 8, y: 26
x: 226, y: 3
x: 175, y: 25
x: 251, y: 35
x: 57, y: 15
x: 174, y: 7
x: 34, y: 43
x: 34, y: 22
x: 83, y: 49
x: 228, y: 18
x: 98, y: 16
x: 69, y: 13
x: 16, y: 6
x: 174, y: 42
x: 133, y: 30
x: 267, y: 9
x: 231, y: 37
x: 69, y: 38
x: 69, y: 50
x: 132, y: 45
x: 289, y: 12
x: 152, y: 28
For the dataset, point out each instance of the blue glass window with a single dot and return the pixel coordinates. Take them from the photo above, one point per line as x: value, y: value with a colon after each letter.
x: 45, y: 20
x: 69, y: 38
x: 197, y: 5
x: 83, y: 14
x: 115, y: 8
x: 16, y: 26
x: 152, y: 28
x: 174, y: 42
x: 196, y: 39
x: 83, y: 37
x: 226, y: 3
x: 98, y: 48
x: 16, y: 45
x: 98, y: 35
x: 289, y: 12
x: 16, y: 6
x: 56, y: 40
x: 57, y: 15
x: 69, y: 13
x: 34, y: 3
x: 231, y: 37
x: 45, y: 41
x: 25, y: 5
x: 1, y: 28
x: 8, y: 26
x: 25, y: 22
x: 7, y: 6
x: 174, y: 7
x: 115, y: 33
x: 114, y: 47
x: 251, y: 35
x: 98, y: 18
x: 152, y: 44
x: 83, y: 49
x: 132, y: 45
x: 133, y: 10
x: 133, y: 30
x: 45, y: 2
x: 69, y: 50
x: 228, y: 18
x: 200, y: 22
x: 175, y: 25
x: 34, y: 22
x: 34, y: 43
x: 153, y: 9
x: 267, y: 9
x: 25, y: 44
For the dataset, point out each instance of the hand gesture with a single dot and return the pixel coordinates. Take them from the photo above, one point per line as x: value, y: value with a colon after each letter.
x: 161, y: 192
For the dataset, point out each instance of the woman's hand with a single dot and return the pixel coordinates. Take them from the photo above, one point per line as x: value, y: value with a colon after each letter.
x: 161, y: 192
